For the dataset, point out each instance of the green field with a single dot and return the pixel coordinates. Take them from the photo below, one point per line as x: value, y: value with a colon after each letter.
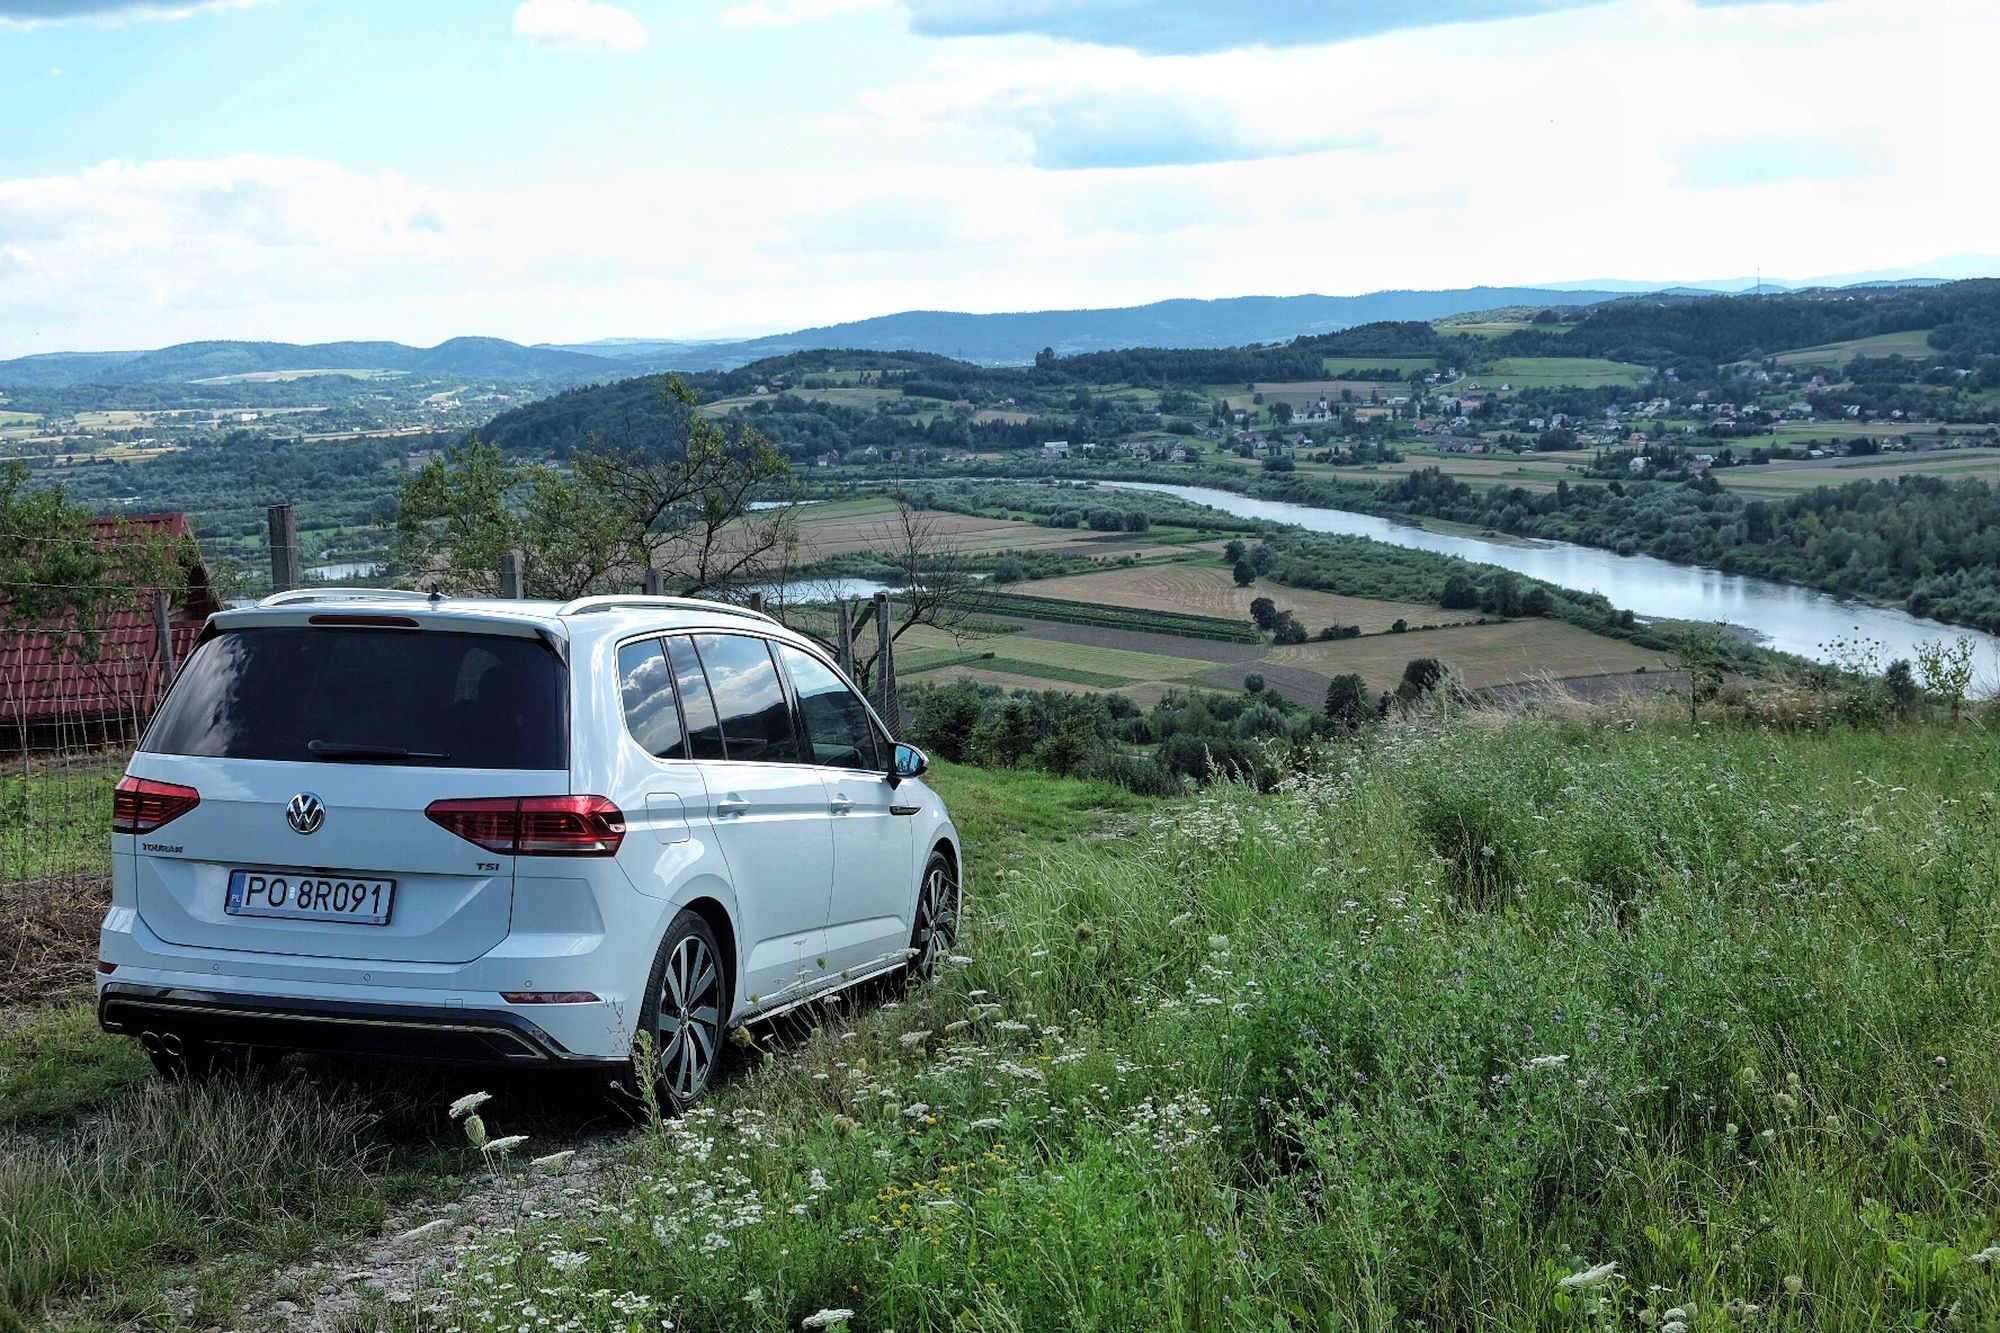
x: 286, y: 376
x: 8, y: 418
x: 1554, y: 372
x: 1345, y: 366
x: 1911, y: 343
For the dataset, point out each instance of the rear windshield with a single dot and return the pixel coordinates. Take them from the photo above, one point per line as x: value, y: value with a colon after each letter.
x: 348, y: 695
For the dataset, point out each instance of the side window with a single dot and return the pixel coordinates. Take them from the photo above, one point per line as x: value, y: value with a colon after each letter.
x: 646, y: 688
x: 749, y: 698
x: 838, y: 728
x: 704, y: 732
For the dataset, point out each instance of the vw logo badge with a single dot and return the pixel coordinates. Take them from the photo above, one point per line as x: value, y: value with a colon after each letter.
x: 305, y: 813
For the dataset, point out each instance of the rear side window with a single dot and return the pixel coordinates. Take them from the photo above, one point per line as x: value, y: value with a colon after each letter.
x: 704, y: 732
x: 749, y: 698
x: 646, y: 688
x: 354, y: 695
x: 837, y: 724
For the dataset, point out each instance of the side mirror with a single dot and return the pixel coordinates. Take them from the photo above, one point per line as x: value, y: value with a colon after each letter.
x: 910, y: 762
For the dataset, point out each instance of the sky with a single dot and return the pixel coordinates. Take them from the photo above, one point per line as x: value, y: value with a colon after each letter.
x: 563, y: 170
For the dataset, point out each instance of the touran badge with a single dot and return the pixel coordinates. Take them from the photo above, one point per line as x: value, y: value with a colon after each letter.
x: 305, y: 813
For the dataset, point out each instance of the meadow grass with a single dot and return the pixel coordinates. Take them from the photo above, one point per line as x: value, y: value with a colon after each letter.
x: 1526, y: 1026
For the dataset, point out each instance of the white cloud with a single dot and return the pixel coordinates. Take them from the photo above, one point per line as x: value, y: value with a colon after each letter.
x: 790, y: 13
x: 579, y: 25
x: 24, y: 14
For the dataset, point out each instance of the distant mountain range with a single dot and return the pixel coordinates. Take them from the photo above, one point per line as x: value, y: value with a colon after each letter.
x: 999, y: 339
x: 486, y: 358
x: 1011, y: 339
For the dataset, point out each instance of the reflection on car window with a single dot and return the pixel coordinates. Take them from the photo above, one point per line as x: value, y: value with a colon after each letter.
x: 837, y: 724
x: 704, y: 732
x: 646, y: 688
x: 756, y: 716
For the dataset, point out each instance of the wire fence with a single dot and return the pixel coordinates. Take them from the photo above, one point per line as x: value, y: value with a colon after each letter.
x: 72, y: 706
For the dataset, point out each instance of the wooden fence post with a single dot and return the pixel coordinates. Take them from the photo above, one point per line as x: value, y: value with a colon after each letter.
x: 843, y: 643
x: 757, y: 603
x: 513, y: 575
x: 885, y: 667
x: 652, y: 583
x: 163, y: 635
x: 284, y: 548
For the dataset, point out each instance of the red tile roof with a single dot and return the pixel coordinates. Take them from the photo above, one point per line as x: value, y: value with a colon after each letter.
x: 43, y: 683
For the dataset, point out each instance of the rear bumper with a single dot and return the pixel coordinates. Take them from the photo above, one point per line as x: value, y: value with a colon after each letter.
x: 384, y: 1031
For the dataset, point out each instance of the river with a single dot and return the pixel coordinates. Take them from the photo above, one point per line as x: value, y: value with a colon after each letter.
x: 1780, y: 615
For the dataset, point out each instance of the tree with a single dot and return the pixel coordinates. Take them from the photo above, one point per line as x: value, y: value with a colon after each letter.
x: 1421, y: 676
x: 937, y: 586
x: 1901, y: 680
x: 1286, y: 629
x: 1264, y: 611
x: 1245, y: 573
x: 1347, y: 701
x: 1460, y: 593
x: 1233, y: 551
x: 682, y: 509
x: 1698, y: 653
x: 1947, y: 670
x: 1253, y: 684
x: 58, y: 567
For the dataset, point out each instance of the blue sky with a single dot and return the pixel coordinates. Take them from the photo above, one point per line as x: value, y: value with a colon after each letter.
x: 570, y: 169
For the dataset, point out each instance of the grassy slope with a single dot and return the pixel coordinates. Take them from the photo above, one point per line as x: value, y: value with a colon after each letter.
x: 1405, y: 1046
x: 1465, y: 1012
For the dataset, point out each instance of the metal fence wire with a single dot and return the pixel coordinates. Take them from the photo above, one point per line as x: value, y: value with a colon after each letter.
x: 72, y: 706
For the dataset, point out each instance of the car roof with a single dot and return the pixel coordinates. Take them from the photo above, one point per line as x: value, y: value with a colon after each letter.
x: 579, y: 619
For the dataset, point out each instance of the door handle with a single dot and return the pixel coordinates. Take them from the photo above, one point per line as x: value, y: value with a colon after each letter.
x: 732, y: 805
x: 840, y: 805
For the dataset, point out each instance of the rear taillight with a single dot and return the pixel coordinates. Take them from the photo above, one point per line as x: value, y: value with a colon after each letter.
x: 140, y: 805
x: 534, y: 825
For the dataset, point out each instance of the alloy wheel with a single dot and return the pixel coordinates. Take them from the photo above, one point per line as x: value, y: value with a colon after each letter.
x: 690, y: 1026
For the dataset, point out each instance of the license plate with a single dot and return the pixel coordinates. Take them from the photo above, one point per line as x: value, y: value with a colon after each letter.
x: 310, y: 897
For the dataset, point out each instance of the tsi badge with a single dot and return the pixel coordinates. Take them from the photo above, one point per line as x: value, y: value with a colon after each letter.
x: 305, y: 813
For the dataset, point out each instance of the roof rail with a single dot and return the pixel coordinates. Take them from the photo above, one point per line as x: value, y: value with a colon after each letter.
x: 343, y: 595
x: 583, y: 606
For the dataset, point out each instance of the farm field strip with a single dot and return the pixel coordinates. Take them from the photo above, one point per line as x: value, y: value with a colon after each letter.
x: 1910, y: 343
x: 1483, y: 655
x: 1206, y: 590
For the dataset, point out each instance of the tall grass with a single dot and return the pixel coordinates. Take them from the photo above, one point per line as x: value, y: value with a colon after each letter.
x: 168, y: 1174
x: 1524, y: 1027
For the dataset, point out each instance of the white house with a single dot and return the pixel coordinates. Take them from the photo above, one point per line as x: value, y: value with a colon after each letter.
x: 1055, y: 449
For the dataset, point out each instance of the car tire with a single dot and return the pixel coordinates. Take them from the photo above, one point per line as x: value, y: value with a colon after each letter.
x: 934, y: 928
x: 685, y: 1014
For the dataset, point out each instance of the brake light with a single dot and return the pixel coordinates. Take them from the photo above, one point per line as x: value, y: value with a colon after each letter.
x: 534, y: 825
x: 140, y: 805
x: 379, y: 622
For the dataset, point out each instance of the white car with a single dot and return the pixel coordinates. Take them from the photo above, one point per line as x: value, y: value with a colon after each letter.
x: 511, y: 832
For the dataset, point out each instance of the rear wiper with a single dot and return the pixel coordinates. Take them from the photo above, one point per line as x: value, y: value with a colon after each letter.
x: 337, y: 752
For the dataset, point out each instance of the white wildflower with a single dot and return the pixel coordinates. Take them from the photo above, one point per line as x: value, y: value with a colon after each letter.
x: 916, y: 1038
x: 827, y: 1319
x: 1547, y: 1062
x: 472, y: 1101
x: 567, y: 1261
x: 988, y: 1122
x: 555, y: 1161
x: 502, y: 1146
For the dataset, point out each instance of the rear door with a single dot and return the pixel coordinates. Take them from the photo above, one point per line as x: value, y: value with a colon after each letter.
x: 315, y: 749
x: 768, y: 808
